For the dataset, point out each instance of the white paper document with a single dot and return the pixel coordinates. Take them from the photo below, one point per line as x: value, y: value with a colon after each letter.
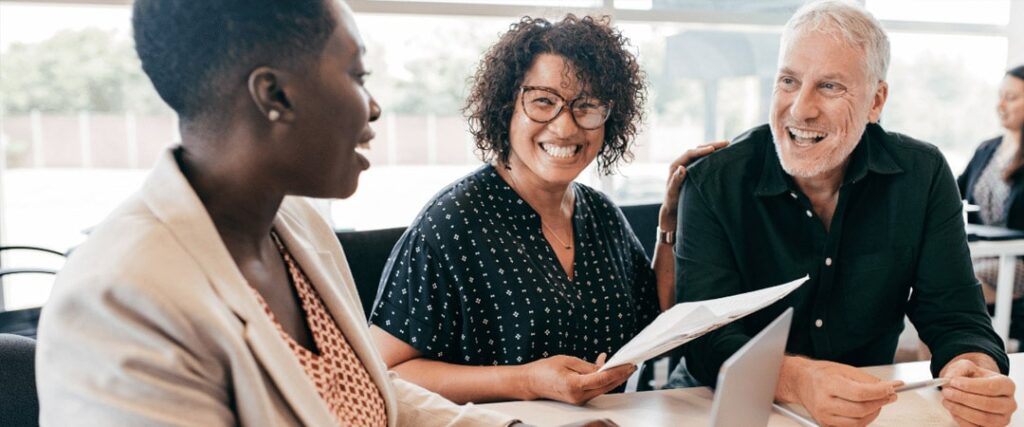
x: 689, y: 320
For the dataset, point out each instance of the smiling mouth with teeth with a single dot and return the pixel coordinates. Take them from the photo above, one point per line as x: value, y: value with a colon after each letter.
x: 561, y: 151
x: 805, y: 137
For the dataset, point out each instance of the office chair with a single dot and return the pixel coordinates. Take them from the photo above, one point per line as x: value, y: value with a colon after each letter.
x: 19, y: 404
x: 23, y: 321
x: 6, y: 271
x: 366, y: 253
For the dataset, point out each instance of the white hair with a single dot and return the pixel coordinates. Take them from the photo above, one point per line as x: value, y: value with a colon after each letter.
x: 851, y: 23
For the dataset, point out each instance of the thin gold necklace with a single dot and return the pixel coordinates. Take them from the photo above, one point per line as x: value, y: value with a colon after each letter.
x: 567, y: 246
x: 553, y: 233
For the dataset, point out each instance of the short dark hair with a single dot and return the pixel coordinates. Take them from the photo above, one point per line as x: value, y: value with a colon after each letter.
x: 1015, y: 169
x: 602, y: 64
x: 1017, y: 72
x: 194, y: 51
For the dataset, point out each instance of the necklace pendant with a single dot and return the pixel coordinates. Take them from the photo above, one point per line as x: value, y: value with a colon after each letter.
x: 563, y: 243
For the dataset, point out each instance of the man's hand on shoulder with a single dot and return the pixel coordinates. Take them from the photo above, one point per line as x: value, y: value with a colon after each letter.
x: 833, y: 393
x: 977, y: 394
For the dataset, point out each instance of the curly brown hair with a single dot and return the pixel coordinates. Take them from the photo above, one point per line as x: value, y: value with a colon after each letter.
x: 597, y: 55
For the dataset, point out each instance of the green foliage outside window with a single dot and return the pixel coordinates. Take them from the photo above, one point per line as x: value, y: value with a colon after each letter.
x: 80, y: 70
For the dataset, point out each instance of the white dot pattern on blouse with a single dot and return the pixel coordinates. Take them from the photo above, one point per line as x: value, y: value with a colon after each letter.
x: 340, y: 377
x: 473, y: 281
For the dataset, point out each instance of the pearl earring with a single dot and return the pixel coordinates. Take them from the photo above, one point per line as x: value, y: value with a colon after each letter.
x: 273, y: 115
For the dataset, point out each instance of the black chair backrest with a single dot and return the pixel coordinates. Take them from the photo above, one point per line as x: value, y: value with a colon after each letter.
x: 19, y: 404
x: 22, y: 322
x: 644, y: 221
x: 367, y: 252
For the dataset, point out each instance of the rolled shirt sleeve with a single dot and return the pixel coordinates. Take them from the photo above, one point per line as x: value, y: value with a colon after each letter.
x: 419, y: 298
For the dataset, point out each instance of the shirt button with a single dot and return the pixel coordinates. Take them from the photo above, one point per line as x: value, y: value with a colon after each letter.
x: 792, y: 194
x: 828, y: 262
x: 818, y: 323
x: 809, y: 214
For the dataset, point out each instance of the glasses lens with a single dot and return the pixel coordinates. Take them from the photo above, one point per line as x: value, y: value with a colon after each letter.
x: 590, y: 113
x: 541, y: 105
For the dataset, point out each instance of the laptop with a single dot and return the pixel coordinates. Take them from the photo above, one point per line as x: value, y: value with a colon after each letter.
x: 746, y: 382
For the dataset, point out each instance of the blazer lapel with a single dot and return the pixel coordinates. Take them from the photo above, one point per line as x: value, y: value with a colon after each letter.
x: 291, y: 379
x: 328, y: 271
x: 984, y: 156
x: 173, y: 201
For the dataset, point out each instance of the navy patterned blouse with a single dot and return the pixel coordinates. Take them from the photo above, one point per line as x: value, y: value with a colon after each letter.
x: 474, y: 282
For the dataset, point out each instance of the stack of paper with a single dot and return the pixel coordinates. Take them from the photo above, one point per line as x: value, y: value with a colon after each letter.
x: 688, y: 321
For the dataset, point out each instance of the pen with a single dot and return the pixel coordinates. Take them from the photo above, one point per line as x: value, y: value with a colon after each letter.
x: 800, y: 419
x: 937, y: 382
x: 806, y: 422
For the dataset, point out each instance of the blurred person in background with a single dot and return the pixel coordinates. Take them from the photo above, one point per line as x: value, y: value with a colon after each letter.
x: 994, y: 181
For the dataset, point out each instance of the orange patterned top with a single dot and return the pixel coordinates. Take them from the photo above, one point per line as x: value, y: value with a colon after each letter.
x: 340, y: 377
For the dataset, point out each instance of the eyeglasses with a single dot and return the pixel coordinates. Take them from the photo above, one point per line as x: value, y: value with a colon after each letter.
x: 543, y: 105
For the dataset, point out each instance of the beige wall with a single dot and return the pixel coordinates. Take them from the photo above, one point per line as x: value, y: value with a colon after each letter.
x: 1015, y: 33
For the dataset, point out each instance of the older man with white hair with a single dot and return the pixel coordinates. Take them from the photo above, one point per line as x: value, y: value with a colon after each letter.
x: 873, y: 217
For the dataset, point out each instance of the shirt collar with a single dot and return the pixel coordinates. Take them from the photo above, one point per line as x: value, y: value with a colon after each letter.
x: 869, y: 156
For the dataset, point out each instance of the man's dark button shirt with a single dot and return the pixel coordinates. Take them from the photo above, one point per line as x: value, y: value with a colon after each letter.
x: 896, y: 245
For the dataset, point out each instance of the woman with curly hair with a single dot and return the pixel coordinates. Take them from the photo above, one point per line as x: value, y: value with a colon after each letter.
x: 514, y: 276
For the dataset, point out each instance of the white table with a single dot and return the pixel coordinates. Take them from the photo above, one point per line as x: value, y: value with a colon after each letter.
x: 692, y: 406
x: 1007, y: 251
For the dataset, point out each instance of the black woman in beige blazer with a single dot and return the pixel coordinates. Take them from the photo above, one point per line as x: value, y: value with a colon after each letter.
x: 183, y: 307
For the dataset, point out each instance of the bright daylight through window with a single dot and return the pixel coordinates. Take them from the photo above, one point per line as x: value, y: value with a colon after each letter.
x: 80, y: 125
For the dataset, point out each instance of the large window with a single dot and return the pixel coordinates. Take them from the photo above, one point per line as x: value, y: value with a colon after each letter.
x: 943, y: 90
x: 995, y: 12
x: 80, y: 125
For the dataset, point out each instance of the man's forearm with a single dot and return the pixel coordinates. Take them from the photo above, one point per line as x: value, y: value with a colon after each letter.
x: 793, y: 367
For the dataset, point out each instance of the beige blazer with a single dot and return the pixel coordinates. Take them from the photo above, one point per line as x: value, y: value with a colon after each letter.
x: 151, y: 323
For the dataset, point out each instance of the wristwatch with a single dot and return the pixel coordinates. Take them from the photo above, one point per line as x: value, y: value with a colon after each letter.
x: 667, y: 237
